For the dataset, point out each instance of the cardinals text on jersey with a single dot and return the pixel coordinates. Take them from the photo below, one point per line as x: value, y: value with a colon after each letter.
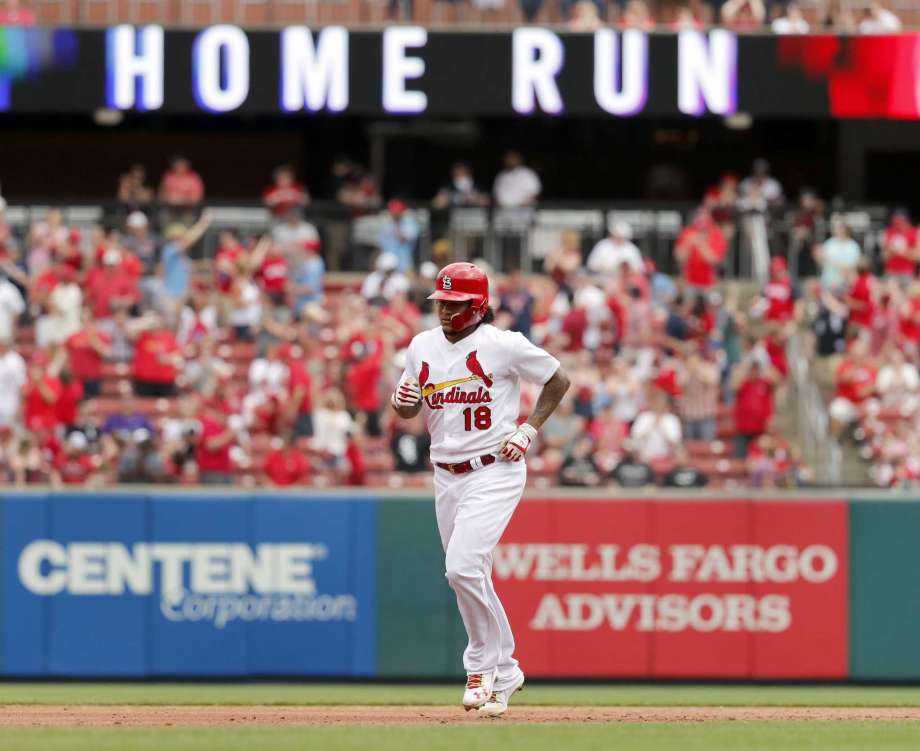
x: 471, y: 388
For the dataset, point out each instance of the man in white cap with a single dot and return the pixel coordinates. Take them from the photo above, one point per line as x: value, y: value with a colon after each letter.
x: 139, y: 240
x: 386, y: 281
x: 613, y: 251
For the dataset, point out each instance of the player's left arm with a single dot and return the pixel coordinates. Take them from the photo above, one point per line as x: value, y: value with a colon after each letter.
x: 550, y: 396
x: 515, y: 445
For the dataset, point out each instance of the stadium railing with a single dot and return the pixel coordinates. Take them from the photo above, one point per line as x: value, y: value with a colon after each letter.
x: 506, y: 238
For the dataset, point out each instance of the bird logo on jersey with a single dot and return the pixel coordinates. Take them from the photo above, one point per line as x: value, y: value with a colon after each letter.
x: 436, y: 395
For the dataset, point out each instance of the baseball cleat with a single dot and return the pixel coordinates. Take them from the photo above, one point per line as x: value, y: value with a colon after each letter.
x: 497, y: 704
x: 478, y: 689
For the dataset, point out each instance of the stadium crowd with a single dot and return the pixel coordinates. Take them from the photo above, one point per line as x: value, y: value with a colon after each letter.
x: 589, y: 15
x: 124, y: 357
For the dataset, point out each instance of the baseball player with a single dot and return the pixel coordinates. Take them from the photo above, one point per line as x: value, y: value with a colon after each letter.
x: 465, y: 374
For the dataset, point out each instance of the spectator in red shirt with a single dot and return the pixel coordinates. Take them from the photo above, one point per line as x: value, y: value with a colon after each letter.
x: 215, y: 467
x: 71, y: 254
x: 700, y: 249
x: 273, y: 274
x: 43, y: 285
x: 88, y: 350
x: 285, y: 193
x: 111, y: 285
x: 226, y: 263
x: 181, y: 190
x: 68, y: 399
x: 300, y: 391
x: 861, y: 297
x: 157, y: 361
x: 354, y: 455
x: 286, y: 464
x: 779, y: 295
x: 364, y: 386
x: 899, y: 249
x: 74, y: 465
x: 753, y: 386
x: 41, y: 397
x: 855, y: 386
x: 774, y: 344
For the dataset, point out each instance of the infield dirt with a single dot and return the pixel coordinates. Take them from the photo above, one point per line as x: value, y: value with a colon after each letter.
x: 76, y: 715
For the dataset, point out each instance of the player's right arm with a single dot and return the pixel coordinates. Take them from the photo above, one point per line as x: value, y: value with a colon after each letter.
x: 407, y: 397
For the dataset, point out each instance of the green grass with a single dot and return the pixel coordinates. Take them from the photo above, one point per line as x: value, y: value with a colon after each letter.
x: 714, y: 736
x: 338, y: 693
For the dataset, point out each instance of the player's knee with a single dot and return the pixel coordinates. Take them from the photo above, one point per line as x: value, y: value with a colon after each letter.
x: 461, y: 571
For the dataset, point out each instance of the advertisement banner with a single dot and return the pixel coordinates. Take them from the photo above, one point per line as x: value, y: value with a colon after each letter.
x: 130, y: 585
x: 412, y: 71
x: 678, y: 588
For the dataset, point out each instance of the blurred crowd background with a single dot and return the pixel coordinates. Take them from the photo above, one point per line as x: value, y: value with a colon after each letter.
x: 162, y: 341
x: 850, y: 16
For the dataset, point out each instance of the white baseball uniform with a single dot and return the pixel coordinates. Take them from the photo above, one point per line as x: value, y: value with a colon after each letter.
x: 471, y: 395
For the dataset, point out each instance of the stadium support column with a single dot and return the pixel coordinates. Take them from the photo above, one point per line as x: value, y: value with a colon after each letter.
x: 851, y: 158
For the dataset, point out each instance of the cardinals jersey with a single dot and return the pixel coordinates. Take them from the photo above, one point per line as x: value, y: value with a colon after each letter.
x: 471, y: 389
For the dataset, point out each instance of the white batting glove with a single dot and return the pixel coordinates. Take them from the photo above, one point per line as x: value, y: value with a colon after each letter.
x: 407, y: 394
x: 515, y: 445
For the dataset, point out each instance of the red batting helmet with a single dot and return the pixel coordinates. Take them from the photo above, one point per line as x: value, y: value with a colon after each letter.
x: 459, y: 282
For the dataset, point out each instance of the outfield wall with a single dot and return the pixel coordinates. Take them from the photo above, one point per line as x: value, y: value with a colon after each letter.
x: 144, y: 585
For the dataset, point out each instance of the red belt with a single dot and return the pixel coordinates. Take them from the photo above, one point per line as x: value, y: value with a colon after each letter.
x: 468, y: 466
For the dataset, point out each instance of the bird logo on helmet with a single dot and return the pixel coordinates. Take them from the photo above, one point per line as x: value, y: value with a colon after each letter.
x: 460, y: 282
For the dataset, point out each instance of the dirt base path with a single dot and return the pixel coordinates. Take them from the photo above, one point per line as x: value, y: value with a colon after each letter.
x: 269, y: 716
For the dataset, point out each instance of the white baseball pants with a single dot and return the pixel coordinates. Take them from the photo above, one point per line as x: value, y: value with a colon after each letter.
x: 473, y: 510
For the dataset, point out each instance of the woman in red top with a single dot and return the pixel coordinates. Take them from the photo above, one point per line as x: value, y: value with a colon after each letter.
x: 111, y: 285
x: 774, y: 344
x: 285, y: 193
x: 861, y: 297
x: 273, y: 275
x: 74, y: 465
x: 181, y: 189
x: 364, y: 387
x: 87, y: 350
x: 899, y: 248
x: 68, y: 399
x: 700, y: 248
x: 753, y: 402
x: 300, y: 386
x: 226, y: 262
x: 41, y: 398
x: 215, y: 467
x: 286, y: 464
x: 157, y: 360
x: 855, y: 380
x: 779, y: 293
